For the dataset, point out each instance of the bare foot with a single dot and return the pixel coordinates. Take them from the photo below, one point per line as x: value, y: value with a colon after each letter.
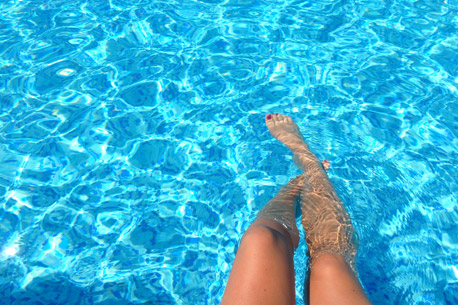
x: 326, y: 165
x: 283, y: 129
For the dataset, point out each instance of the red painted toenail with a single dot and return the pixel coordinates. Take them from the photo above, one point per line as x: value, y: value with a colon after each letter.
x: 326, y: 161
x: 276, y: 114
x: 269, y: 116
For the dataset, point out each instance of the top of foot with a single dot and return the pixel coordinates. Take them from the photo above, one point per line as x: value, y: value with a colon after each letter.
x: 283, y: 129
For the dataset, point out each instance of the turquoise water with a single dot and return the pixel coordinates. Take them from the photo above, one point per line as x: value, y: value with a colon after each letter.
x: 133, y: 153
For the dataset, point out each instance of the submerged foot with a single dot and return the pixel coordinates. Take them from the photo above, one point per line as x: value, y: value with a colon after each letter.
x: 326, y: 165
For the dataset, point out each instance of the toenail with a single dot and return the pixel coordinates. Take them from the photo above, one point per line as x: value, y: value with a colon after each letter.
x: 269, y: 116
x: 276, y: 114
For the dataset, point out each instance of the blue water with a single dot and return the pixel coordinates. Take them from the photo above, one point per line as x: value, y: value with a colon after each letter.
x: 133, y: 153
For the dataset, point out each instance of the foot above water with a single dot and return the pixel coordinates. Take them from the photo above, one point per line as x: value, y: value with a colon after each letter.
x: 283, y: 129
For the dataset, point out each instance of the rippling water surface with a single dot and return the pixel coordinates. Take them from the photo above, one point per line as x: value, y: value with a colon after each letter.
x: 133, y: 152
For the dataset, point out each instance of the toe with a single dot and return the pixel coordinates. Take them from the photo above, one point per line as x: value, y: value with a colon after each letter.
x: 288, y: 119
x: 275, y: 117
x: 326, y: 165
x: 269, y: 119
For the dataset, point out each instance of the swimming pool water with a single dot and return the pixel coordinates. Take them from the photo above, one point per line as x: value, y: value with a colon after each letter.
x: 133, y: 153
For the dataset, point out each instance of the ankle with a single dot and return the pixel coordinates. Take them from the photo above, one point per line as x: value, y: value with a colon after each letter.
x: 299, y: 148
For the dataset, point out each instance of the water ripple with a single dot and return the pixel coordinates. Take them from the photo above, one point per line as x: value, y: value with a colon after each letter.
x: 134, y: 155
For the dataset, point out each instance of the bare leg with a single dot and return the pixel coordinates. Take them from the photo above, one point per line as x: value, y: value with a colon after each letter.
x: 263, y: 271
x: 329, y: 233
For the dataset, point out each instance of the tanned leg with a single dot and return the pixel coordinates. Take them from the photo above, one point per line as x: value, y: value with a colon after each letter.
x: 263, y: 270
x: 329, y: 233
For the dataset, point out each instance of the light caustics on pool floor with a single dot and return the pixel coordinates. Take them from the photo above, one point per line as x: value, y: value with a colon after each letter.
x: 134, y: 155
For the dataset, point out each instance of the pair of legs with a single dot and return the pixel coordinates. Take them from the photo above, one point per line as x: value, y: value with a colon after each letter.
x: 263, y: 270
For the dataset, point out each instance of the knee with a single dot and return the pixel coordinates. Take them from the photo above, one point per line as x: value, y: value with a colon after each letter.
x: 328, y: 265
x: 265, y: 237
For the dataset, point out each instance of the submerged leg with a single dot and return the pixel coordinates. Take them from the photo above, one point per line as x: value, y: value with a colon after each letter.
x: 329, y: 233
x: 281, y: 208
x: 263, y: 270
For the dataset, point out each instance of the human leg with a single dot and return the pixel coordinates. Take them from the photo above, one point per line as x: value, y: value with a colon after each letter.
x: 332, y: 281
x: 332, y: 242
x: 330, y: 235
x: 263, y: 271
